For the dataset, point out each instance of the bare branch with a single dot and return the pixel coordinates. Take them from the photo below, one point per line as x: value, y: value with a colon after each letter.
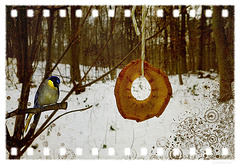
x: 8, y: 140
x: 79, y: 86
x: 70, y: 44
x: 99, y: 78
x: 72, y: 111
x: 47, y: 124
x: 55, y: 111
x: 29, y: 142
x: 102, y: 49
x: 155, y: 35
x: 56, y: 106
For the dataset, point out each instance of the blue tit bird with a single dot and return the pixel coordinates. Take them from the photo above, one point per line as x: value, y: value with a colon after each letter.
x: 47, y: 93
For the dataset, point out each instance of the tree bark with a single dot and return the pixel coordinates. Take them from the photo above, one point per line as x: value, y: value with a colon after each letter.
x: 173, y: 40
x: 166, y: 58
x: 49, y: 43
x: 224, y: 54
x: 191, y: 24
x: 201, y: 56
x: 183, y: 41
x: 75, y: 70
x: 178, y: 51
x: 113, y: 74
x: 25, y: 74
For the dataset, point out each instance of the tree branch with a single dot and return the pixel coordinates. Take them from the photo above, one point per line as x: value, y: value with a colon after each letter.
x: 8, y: 140
x: 72, y: 111
x: 70, y: 44
x: 29, y: 142
x: 79, y: 86
x: 46, y: 123
x: 158, y: 31
x: 55, y: 111
x: 101, y: 50
x: 57, y: 106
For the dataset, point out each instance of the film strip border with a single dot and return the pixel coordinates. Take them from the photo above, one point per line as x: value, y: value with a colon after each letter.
x: 111, y: 13
x: 127, y: 153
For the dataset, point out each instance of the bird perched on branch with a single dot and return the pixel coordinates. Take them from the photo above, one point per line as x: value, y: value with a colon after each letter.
x: 47, y: 93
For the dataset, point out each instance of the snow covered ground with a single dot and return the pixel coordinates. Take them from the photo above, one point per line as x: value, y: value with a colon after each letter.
x: 193, y: 119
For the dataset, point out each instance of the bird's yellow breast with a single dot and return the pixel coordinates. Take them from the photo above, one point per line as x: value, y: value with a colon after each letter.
x: 50, y: 83
x: 48, y: 93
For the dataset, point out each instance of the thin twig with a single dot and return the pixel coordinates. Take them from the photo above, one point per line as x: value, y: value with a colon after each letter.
x: 79, y: 86
x: 99, y: 78
x: 45, y: 124
x: 72, y: 111
x: 158, y: 31
x: 40, y: 131
x: 55, y: 111
x: 61, y: 75
x: 70, y: 44
x: 102, y: 49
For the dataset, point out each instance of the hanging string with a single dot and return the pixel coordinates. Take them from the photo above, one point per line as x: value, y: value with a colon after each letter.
x: 134, y: 21
x: 144, y: 9
x: 143, y: 38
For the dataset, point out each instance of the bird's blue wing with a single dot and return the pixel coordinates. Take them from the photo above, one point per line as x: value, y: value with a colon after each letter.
x: 36, y: 104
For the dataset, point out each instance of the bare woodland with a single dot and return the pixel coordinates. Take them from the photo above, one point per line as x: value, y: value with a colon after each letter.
x: 179, y: 45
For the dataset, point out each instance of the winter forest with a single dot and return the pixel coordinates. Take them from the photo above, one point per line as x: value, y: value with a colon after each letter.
x: 87, y: 47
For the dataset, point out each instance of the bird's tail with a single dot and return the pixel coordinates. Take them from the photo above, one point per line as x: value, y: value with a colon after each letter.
x: 29, y: 116
x: 28, y: 121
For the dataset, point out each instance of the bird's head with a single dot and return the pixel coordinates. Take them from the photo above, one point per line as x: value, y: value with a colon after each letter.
x: 54, y: 81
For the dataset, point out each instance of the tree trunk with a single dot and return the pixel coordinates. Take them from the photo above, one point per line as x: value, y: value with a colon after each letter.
x: 75, y: 71
x: 230, y: 37
x: 178, y: 51
x: 166, y: 57
x: 224, y: 54
x: 201, y: 56
x: 152, y: 40
x: 207, y: 49
x: 113, y: 74
x: 49, y: 43
x: 191, y: 24
x: 22, y: 44
x: 183, y: 41
x: 213, y: 57
x: 129, y: 29
x: 25, y: 74
x: 173, y: 39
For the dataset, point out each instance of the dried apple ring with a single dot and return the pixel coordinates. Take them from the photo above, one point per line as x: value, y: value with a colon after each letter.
x: 140, y: 110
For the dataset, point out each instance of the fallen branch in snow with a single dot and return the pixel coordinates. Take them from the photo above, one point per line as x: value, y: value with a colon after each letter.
x: 57, y: 106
